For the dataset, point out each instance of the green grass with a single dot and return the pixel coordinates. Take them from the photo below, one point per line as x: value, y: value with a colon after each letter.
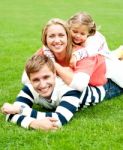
x: 95, y: 128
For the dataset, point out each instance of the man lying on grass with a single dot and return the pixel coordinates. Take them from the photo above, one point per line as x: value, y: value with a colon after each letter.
x: 51, y: 92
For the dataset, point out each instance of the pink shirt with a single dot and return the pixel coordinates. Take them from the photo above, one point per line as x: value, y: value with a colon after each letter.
x: 95, y: 67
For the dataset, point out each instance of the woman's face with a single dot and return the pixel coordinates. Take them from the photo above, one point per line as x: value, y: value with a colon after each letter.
x: 56, y: 39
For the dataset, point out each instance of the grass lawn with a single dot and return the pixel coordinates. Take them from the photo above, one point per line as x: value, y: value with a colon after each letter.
x: 95, y: 128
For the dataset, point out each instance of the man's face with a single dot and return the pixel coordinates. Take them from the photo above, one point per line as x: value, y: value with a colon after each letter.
x: 43, y: 81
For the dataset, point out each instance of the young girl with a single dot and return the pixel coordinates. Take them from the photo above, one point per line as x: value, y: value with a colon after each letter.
x: 86, y: 40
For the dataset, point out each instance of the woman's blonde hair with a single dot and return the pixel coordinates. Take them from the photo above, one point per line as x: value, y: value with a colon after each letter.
x: 82, y: 18
x: 57, y: 21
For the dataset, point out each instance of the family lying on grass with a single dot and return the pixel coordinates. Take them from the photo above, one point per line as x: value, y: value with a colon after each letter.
x: 73, y: 70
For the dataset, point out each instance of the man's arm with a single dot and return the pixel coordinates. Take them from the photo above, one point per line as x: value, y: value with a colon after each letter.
x: 47, y: 123
x: 64, y: 112
x: 25, y: 99
x: 70, y: 102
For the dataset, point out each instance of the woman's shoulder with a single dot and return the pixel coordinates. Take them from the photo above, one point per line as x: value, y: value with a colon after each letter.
x: 40, y: 51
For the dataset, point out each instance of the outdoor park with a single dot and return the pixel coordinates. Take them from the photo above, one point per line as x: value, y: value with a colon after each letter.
x: 96, y: 128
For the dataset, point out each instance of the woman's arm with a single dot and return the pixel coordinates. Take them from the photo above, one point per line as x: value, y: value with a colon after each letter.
x: 66, y: 73
x: 78, y: 80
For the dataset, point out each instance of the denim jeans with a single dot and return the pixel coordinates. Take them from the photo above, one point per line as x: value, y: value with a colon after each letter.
x: 112, y: 89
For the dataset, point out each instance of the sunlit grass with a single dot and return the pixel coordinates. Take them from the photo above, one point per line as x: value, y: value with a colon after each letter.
x: 95, y: 128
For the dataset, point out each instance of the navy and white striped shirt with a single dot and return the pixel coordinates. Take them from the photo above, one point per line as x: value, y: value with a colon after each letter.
x: 65, y: 99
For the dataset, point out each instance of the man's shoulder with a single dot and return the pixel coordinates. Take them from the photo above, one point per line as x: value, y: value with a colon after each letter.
x: 60, y: 87
x: 61, y: 84
x: 31, y: 89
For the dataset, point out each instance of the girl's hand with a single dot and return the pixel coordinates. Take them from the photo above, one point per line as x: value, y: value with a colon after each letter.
x: 73, y: 61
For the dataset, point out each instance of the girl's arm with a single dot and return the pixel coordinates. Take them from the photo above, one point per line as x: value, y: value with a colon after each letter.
x: 93, y: 45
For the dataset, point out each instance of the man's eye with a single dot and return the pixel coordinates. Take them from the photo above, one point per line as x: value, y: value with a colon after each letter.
x: 46, y: 77
x: 35, y: 80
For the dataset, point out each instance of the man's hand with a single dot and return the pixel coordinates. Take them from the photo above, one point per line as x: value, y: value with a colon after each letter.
x: 46, y: 124
x: 8, y: 108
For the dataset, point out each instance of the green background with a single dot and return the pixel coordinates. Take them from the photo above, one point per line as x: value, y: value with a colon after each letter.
x: 21, y: 21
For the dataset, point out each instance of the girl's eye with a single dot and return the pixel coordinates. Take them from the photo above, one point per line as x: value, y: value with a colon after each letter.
x: 74, y: 31
x: 82, y: 33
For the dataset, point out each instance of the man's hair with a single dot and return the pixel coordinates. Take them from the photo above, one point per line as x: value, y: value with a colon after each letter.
x: 36, y: 62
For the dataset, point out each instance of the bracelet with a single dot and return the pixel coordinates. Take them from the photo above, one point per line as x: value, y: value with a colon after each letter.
x: 21, y: 109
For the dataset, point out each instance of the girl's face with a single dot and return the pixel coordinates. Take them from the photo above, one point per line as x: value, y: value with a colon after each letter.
x: 56, y: 39
x: 79, y: 34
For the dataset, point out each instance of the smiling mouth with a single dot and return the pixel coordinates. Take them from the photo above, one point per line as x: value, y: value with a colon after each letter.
x: 76, y: 39
x: 57, y: 45
x: 44, y: 90
x: 77, y: 42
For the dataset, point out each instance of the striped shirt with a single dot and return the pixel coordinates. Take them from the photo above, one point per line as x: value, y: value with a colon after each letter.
x: 65, y: 99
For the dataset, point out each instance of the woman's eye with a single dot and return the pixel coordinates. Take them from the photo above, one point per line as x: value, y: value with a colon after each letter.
x: 61, y: 35
x: 51, y: 36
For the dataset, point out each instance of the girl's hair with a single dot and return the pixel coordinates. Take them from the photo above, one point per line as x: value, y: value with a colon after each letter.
x: 37, y: 62
x: 83, y: 18
x: 57, y: 21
